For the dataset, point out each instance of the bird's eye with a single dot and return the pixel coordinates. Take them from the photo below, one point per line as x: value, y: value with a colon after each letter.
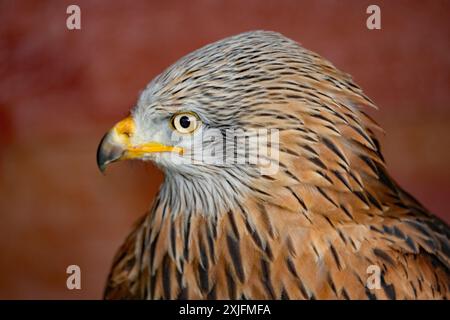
x: 185, y: 122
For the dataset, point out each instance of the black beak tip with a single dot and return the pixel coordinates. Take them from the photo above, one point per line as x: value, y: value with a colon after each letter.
x: 101, y: 155
x: 101, y: 167
x: 107, y: 152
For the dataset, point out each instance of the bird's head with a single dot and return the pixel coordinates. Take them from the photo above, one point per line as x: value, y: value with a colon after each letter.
x: 218, y: 116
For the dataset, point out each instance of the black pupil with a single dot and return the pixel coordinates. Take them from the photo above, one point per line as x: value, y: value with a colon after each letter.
x: 185, y: 122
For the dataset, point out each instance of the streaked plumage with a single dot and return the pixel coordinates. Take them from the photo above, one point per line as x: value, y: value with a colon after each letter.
x: 308, y: 232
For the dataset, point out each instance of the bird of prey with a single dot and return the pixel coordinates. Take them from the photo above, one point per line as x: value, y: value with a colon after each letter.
x: 328, y: 223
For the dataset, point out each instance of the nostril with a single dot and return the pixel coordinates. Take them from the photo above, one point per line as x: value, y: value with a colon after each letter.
x: 124, y: 132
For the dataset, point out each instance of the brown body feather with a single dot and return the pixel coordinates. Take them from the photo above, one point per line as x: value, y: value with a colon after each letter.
x: 311, y: 231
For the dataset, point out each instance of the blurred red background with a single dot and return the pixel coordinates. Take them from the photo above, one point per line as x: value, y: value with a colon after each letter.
x: 60, y: 90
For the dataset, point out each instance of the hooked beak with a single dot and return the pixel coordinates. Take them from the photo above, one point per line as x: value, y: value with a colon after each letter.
x: 116, y: 145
